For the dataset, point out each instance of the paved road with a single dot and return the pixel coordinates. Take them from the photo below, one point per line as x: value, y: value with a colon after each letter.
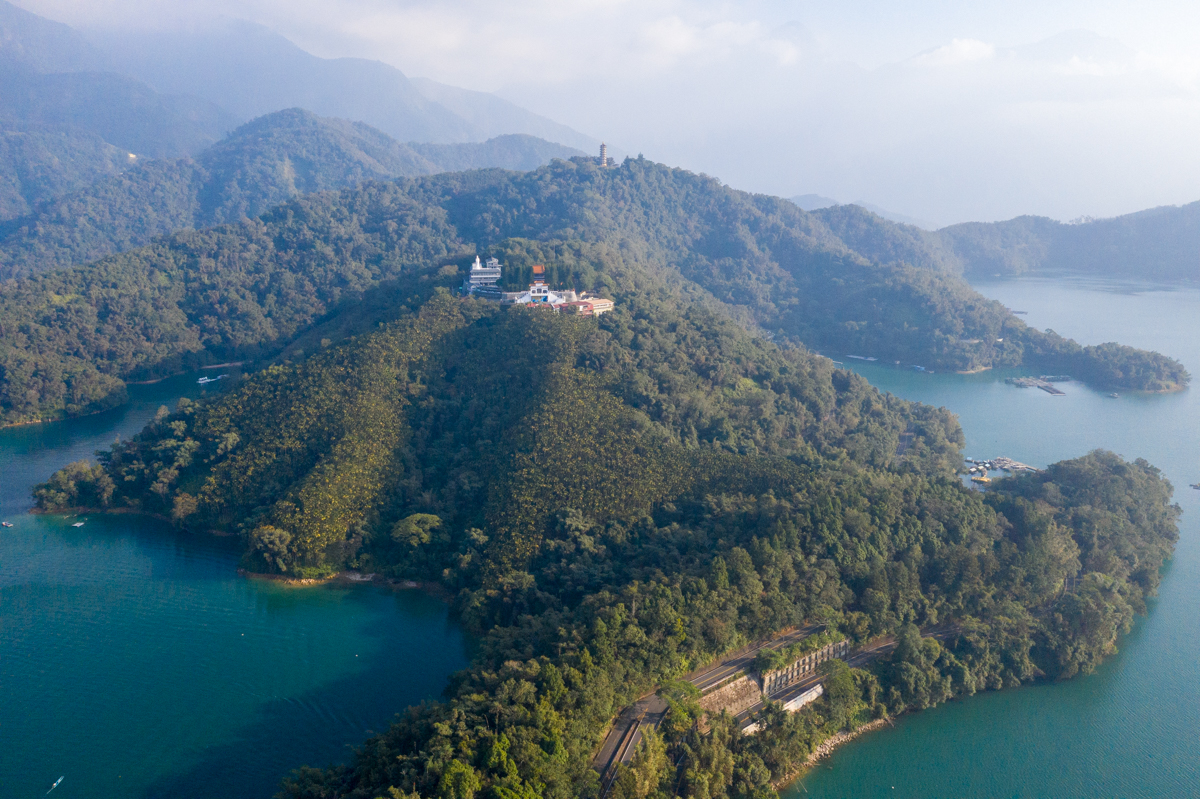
x: 740, y: 661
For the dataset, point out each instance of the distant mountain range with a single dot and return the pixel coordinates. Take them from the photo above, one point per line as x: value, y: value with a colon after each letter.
x: 1159, y: 244
x: 250, y: 70
x: 260, y: 165
x: 75, y: 109
x: 65, y: 122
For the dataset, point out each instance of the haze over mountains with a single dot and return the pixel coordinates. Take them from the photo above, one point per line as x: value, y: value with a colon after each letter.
x: 73, y: 111
x: 250, y: 71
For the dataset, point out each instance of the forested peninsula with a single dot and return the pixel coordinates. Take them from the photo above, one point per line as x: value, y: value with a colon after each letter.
x: 614, y: 501
x: 70, y: 338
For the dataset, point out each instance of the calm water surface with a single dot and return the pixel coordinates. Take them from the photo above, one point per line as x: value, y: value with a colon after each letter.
x: 136, y: 663
x: 1132, y: 729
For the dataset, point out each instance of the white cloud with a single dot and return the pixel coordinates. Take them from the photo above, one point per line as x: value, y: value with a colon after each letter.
x: 959, y: 51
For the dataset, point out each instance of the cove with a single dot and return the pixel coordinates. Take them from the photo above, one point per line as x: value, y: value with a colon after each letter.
x: 1129, y: 729
x: 135, y: 662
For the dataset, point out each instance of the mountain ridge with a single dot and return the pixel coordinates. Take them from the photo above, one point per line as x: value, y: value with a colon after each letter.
x: 245, y: 290
x: 1157, y: 244
x: 260, y: 165
x: 253, y: 71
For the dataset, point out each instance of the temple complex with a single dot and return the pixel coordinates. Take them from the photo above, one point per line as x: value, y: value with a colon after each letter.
x: 483, y: 279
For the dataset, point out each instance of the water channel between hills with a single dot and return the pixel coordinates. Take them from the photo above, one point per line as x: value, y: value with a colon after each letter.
x: 1130, y: 729
x: 135, y: 662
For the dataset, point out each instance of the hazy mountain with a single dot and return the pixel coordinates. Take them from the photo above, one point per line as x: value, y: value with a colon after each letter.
x: 251, y: 71
x: 65, y: 123
x: 41, y: 45
x: 887, y: 242
x: 814, y: 202
x: 493, y: 116
x: 902, y: 219
x: 120, y: 110
x: 1161, y: 244
x: 261, y: 164
x: 1157, y: 244
x: 811, y: 202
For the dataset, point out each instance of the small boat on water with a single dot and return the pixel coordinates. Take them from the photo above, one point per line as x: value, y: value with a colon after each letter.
x: 1196, y: 486
x: 77, y: 524
x: 6, y: 524
x: 57, y: 782
x: 1115, y: 395
x: 206, y: 380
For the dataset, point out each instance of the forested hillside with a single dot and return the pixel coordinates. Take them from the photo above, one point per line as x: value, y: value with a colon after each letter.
x: 262, y: 164
x: 39, y: 163
x: 615, y: 501
x: 243, y: 290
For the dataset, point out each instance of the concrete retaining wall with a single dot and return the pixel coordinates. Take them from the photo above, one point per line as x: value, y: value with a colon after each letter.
x: 734, y: 697
x: 776, y: 681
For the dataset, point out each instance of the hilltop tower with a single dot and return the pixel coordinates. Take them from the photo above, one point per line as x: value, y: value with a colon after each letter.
x: 603, y: 154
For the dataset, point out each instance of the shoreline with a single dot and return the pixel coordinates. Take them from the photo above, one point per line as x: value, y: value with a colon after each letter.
x: 826, y: 748
x: 352, y: 577
x: 343, y: 577
x: 53, y: 419
x: 68, y: 417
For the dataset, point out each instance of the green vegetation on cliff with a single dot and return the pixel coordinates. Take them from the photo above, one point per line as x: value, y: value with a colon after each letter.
x: 616, y: 501
x: 246, y: 289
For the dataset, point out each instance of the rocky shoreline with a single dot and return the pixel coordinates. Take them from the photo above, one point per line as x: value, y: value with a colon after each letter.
x: 825, y: 749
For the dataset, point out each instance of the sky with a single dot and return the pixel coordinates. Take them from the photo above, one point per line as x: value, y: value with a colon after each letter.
x: 943, y: 111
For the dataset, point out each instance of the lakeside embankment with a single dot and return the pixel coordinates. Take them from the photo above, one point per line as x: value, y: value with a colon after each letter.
x: 826, y: 748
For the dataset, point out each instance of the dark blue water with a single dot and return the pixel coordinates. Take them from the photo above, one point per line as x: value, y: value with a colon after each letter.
x: 135, y: 662
x: 1132, y: 729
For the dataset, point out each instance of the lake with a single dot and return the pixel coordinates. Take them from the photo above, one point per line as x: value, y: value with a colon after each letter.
x: 135, y: 662
x: 1130, y: 729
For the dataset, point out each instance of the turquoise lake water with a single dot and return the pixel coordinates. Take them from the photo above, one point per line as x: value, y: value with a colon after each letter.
x: 135, y: 662
x: 1132, y: 729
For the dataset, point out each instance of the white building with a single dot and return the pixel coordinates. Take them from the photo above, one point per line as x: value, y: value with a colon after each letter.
x: 540, y: 293
x: 483, y: 276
